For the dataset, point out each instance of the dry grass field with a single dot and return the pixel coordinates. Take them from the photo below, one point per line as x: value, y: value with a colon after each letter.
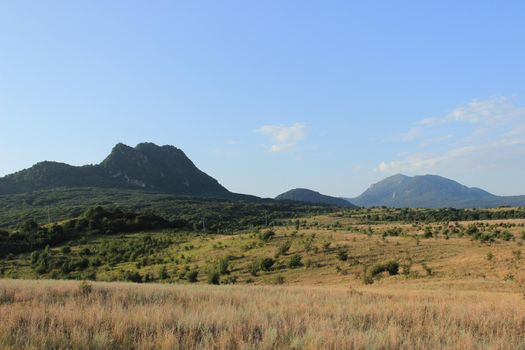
x: 453, y: 290
x: 475, y: 314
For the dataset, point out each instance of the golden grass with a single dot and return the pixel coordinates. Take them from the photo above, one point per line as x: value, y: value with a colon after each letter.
x: 429, y: 314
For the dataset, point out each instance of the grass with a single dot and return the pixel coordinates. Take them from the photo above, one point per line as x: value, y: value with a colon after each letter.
x: 408, y: 315
x: 454, y: 257
x: 452, y: 291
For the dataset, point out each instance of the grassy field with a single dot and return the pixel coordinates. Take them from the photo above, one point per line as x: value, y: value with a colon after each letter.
x: 469, y: 314
x: 333, y: 281
x: 165, y: 256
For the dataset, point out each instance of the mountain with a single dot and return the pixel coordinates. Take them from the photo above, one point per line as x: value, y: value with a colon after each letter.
x: 305, y: 195
x: 164, y: 169
x: 430, y: 191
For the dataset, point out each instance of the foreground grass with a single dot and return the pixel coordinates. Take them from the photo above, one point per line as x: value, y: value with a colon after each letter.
x: 421, y: 315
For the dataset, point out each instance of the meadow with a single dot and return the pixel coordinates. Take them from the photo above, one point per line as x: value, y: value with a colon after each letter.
x: 356, y: 279
x: 423, y: 315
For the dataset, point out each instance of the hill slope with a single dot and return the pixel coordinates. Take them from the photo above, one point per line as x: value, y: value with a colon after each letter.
x: 430, y: 191
x: 163, y: 169
x: 305, y: 195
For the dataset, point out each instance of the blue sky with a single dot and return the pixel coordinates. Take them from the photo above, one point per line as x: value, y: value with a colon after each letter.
x: 268, y: 96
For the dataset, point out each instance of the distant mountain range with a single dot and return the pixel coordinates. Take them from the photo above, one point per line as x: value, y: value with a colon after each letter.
x: 309, y: 196
x: 430, y: 191
x: 164, y: 169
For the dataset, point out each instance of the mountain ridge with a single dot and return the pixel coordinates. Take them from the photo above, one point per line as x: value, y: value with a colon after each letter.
x: 310, y: 196
x: 430, y: 191
x: 147, y: 166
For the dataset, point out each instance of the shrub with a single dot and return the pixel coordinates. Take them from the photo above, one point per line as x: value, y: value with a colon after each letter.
x: 284, y: 248
x: 223, y: 266
x: 266, y: 264
x: 192, y: 276
x: 366, y: 277
x: 407, y: 267
x: 267, y: 235
x: 214, y: 277
x: 163, y: 273
x: 279, y: 279
x: 85, y: 288
x: 295, y: 261
x: 427, y: 269
x: 490, y: 256
x: 392, y: 267
x: 254, y: 267
x: 132, y: 276
x: 342, y: 254
x: 231, y: 280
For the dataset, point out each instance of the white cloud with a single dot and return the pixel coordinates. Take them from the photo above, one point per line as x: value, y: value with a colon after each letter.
x: 282, y: 137
x: 484, y: 130
x: 494, y: 111
x: 410, y: 135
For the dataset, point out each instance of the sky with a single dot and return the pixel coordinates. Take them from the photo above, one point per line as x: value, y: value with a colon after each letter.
x: 266, y: 96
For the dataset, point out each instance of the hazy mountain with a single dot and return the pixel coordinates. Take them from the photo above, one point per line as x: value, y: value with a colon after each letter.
x: 163, y: 169
x: 430, y: 191
x: 305, y: 195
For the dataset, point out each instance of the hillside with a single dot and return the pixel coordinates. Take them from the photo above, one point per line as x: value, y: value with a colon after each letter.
x: 430, y: 191
x: 309, y: 196
x: 164, y: 169
x: 377, y: 272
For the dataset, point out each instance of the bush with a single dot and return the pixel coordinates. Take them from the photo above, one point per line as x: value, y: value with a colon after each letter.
x: 254, y: 267
x: 427, y: 269
x: 223, y: 266
x: 295, y: 261
x: 85, y: 288
x: 342, y: 254
x: 214, y: 277
x: 163, y: 273
x: 133, y: 276
x: 266, y: 264
x: 192, y: 276
x: 367, y: 277
x: 284, y: 248
x: 490, y: 256
x: 392, y: 267
x: 231, y: 280
x: 279, y: 279
x: 267, y: 235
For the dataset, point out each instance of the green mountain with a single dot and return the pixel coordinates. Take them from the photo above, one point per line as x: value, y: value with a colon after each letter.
x: 164, y: 169
x: 430, y: 191
x: 309, y: 196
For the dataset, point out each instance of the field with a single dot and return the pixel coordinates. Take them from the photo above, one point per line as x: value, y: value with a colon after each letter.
x: 362, y: 279
x: 422, y: 315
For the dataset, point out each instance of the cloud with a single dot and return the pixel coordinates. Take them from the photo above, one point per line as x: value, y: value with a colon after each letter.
x: 282, y: 137
x: 410, y: 135
x: 483, y: 131
x: 494, y: 111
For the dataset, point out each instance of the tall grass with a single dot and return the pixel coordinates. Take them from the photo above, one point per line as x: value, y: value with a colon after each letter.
x: 50, y: 315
